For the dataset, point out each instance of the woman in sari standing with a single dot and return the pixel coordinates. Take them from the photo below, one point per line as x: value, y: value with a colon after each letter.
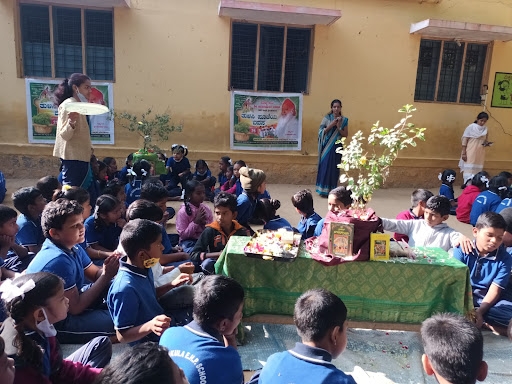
x: 334, y: 126
x: 474, y: 141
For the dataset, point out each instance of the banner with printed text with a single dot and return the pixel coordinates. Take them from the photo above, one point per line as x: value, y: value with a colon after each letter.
x: 266, y: 121
x: 42, y: 112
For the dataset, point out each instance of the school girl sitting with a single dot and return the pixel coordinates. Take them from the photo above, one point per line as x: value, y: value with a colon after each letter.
x: 230, y: 185
x: 473, y: 188
x: 224, y: 163
x: 35, y: 302
x: 103, y: 228
x: 178, y: 170
x: 447, y: 178
x: 266, y: 211
x: 193, y: 215
x: 204, y: 176
x: 137, y: 175
x: 489, y: 200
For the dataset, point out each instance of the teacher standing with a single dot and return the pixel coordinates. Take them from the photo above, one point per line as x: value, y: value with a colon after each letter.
x: 73, y: 138
x: 334, y: 126
x: 474, y: 141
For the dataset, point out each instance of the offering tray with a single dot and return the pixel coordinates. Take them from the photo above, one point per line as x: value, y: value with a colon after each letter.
x: 280, y: 245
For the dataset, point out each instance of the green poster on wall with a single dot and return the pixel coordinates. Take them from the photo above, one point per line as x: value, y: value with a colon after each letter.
x: 502, y: 91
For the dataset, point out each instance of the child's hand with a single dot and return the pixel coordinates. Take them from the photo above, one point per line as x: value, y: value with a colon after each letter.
x: 165, y: 217
x: 187, y: 268
x: 159, y: 324
x: 200, y: 218
x: 465, y: 244
x: 479, y: 319
x: 177, y: 248
x: 111, y: 266
x: 6, y: 241
x: 183, y: 278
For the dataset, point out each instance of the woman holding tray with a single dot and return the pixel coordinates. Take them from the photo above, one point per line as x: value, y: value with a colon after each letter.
x: 334, y: 126
x: 73, y: 139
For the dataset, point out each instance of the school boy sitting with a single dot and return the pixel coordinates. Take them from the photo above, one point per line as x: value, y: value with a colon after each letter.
x: 321, y: 320
x: 453, y: 349
x: 206, y: 348
x: 214, y: 238
x: 132, y: 300
x: 303, y: 203
x: 419, y: 200
x: 30, y: 202
x: 489, y: 269
x: 431, y: 231
x: 62, y: 255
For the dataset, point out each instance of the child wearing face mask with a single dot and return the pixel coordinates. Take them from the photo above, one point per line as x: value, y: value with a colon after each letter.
x: 34, y: 302
x: 132, y: 298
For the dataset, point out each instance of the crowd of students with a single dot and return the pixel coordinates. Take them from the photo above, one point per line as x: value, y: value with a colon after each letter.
x: 91, y: 267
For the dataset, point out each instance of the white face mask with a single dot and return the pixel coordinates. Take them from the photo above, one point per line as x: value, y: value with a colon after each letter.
x: 81, y: 97
x: 45, y: 326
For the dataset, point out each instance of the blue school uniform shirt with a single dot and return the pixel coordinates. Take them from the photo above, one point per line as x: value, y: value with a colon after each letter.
x: 318, y: 228
x: 177, y: 167
x: 239, y: 188
x: 199, y: 177
x: 505, y: 203
x: 486, y: 201
x: 123, y: 174
x: 132, y: 299
x: 307, y: 225
x: 30, y: 232
x: 446, y: 191
x: 132, y: 191
x: 69, y: 264
x: 303, y: 364
x: 166, y: 242
x: 203, y: 358
x: 278, y: 222
x: 494, y: 268
x: 106, y: 236
x: 245, y: 207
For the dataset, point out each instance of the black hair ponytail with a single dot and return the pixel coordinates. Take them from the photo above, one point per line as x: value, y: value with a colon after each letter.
x: 189, y: 190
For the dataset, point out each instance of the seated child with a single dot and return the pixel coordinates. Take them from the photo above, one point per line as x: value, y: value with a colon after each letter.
x: 453, y: 349
x: 469, y: 194
x: 35, y: 302
x: 236, y: 172
x: 155, y: 191
x: 206, y: 348
x: 224, y: 163
x: 178, y: 170
x: 447, y: 178
x: 112, y: 172
x: 230, y: 185
x: 266, y: 211
x: 489, y: 200
x: 123, y: 173
x: 216, y: 234
x: 63, y: 228
x: 116, y: 188
x: 303, y: 203
x: 204, y: 176
x: 30, y: 203
x: 431, y: 231
x: 489, y: 270
x: 143, y: 363
x: 419, y: 200
x: 338, y: 200
x: 253, y: 182
x: 132, y: 299
x: 47, y: 186
x: 103, y: 228
x: 6, y: 365
x: 141, y: 170
x: 321, y: 320
x: 14, y: 258
x: 193, y: 215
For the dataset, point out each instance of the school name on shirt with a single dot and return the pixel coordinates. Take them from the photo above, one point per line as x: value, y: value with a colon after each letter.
x: 194, y: 360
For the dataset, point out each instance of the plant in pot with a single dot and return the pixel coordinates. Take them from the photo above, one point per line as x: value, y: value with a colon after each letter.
x: 241, y: 131
x: 364, y: 169
x: 152, y: 128
x: 42, y: 123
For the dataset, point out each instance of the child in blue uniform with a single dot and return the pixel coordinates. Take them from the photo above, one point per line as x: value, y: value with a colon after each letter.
x: 47, y: 186
x: 224, y: 163
x: 253, y: 182
x: 266, y: 211
x: 489, y: 269
x: 321, y: 320
x: 123, y: 173
x: 206, y: 348
x: 137, y: 176
x: 204, y: 176
x: 303, y: 203
x: 447, y: 178
x: 30, y: 202
x: 178, y: 170
x: 489, y: 200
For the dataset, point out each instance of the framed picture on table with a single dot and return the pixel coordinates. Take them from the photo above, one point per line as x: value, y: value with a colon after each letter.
x: 379, y: 246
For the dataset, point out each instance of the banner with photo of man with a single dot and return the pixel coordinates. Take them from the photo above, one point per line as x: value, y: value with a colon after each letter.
x: 266, y: 121
x: 43, y: 112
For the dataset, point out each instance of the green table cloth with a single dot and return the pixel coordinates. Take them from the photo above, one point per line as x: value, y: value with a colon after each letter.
x: 400, y: 290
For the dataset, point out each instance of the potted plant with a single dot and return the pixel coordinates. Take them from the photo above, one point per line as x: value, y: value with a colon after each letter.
x: 241, y: 131
x: 42, y: 123
x: 152, y: 128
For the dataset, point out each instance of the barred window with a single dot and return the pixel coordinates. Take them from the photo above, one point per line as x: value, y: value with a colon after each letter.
x: 450, y: 71
x: 83, y: 41
x: 270, y: 58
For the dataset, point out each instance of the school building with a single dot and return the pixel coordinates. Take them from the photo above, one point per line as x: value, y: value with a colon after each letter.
x: 447, y: 57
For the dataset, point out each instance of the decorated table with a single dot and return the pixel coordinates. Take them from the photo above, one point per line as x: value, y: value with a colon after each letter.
x: 401, y: 290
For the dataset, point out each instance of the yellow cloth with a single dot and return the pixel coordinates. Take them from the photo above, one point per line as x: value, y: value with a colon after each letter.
x: 72, y: 144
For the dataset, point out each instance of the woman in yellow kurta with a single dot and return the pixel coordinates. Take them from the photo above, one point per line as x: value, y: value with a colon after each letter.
x: 474, y: 141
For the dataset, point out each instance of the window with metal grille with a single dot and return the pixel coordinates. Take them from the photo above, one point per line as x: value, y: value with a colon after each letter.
x: 84, y: 47
x: 270, y: 58
x: 450, y: 71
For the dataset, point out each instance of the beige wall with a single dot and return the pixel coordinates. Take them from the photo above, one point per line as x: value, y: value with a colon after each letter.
x: 174, y: 55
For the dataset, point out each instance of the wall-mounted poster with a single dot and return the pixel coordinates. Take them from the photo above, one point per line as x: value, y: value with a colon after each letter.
x: 42, y: 112
x: 266, y: 121
x: 502, y: 91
